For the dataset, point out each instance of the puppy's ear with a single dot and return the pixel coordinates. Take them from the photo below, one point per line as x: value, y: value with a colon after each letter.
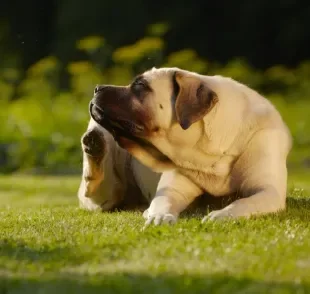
x: 194, y: 99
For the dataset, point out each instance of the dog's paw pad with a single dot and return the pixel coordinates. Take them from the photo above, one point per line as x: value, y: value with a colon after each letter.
x: 146, y: 214
x: 93, y: 143
x: 158, y: 219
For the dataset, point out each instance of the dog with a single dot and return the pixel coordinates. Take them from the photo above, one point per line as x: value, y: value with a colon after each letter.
x: 113, y: 179
x: 199, y: 134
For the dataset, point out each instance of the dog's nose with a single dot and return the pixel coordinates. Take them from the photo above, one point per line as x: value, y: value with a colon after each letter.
x: 99, y: 88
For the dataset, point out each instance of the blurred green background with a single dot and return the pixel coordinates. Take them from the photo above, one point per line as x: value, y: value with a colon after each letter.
x: 53, y: 53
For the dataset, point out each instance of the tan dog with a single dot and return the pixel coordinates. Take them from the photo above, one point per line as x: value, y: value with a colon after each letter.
x: 204, y: 134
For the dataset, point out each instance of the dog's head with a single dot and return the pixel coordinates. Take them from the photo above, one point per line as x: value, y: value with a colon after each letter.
x: 155, y: 102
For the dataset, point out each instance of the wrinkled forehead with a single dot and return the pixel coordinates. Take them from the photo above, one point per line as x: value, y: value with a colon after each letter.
x: 159, y: 76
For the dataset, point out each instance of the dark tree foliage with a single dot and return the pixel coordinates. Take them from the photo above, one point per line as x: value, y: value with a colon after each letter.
x: 264, y: 32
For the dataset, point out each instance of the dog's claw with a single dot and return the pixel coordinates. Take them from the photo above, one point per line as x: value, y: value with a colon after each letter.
x: 158, y: 219
x: 217, y: 215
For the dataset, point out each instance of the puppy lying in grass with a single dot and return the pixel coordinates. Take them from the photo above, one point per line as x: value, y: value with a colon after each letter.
x: 196, y: 134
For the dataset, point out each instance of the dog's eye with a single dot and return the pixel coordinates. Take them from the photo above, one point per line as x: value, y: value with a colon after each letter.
x: 138, y: 86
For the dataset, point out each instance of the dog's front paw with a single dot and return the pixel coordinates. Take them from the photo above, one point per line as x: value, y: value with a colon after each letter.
x: 218, y: 215
x: 146, y: 214
x: 159, y: 218
x: 93, y: 143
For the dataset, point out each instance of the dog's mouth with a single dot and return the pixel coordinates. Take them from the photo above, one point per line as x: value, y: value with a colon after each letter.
x: 115, y: 125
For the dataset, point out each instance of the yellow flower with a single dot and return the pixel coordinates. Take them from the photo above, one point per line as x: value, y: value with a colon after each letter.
x: 90, y: 43
x: 79, y: 67
x: 158, y: 29
x: 44, y: 66
x: 132, y: 53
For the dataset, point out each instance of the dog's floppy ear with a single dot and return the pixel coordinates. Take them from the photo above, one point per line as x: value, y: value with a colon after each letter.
x: 194, y: 99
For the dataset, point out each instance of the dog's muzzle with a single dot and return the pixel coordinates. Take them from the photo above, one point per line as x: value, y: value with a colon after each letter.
x: 100, y: 117
x: 117, y: 127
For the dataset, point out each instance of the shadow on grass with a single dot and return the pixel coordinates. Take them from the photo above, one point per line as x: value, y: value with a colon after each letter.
x: 20, y: 251
x: 56, y: 256
x: 296, y: 207
x: 299, y: 208
x: 297, y: 203
x: 138, y: 283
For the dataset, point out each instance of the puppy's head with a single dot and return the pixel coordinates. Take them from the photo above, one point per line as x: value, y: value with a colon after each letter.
x: 153, y: 103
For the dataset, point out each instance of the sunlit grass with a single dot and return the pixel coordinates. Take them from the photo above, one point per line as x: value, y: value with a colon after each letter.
x: 48, y: 245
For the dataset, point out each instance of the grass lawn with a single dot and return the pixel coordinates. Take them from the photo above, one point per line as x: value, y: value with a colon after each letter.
x: 48, y: 245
